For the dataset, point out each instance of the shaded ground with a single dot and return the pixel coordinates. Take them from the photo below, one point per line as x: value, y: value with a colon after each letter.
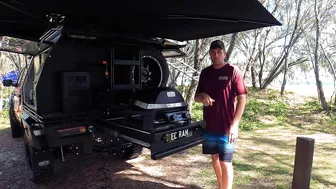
x: 116, y: 173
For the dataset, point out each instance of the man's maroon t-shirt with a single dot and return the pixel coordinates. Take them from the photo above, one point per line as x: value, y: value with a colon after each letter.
x: 222, y: 85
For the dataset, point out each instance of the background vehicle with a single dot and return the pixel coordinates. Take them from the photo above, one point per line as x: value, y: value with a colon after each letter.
x: 96, y: 82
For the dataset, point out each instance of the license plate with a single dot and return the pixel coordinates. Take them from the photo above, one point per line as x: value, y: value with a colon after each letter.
x: 185, y: 133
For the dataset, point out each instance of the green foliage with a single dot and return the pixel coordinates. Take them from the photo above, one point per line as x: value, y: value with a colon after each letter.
x: 4, y: 117
x: 197, y: 112
x: 182, y: 89
x: 256, y: 110
x: 312, y: 105
x: 7, y: 91
x: 265, y: 108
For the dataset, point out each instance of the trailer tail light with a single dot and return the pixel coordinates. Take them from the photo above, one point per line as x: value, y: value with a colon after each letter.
x: 72, y: 131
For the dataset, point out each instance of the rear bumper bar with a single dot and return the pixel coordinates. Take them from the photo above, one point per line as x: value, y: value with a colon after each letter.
x: 162, y: 154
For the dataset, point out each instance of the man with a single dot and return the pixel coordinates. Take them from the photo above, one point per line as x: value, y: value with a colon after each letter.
x: 220, y: 86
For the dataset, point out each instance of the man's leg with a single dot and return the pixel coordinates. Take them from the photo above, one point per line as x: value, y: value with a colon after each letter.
x: 225, y: 157
x: 227, y: 174
x: 218, y: 170
x: 210, y: 147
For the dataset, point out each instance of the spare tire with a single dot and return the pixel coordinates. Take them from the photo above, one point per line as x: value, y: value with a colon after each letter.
x: 154, y: 68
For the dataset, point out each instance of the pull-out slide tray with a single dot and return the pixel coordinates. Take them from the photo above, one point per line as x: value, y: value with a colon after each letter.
x: 161, y: 143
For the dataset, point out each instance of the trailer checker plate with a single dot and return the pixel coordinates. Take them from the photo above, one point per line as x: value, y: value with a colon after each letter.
x: 173, y: 136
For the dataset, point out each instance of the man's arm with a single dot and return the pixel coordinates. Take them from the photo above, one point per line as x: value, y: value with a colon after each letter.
x: 241, y: 91
x: 233, y: 132
x: 204, y: 98
x: 239, y: 109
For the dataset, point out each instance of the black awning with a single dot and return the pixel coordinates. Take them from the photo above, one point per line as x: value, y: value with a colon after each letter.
x: 173, y: 19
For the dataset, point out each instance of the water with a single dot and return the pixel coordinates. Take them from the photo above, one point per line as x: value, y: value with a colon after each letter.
x: 310, y: 89
x: 304, y: 88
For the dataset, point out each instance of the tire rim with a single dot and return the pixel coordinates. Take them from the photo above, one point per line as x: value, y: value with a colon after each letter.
x: 151, y: 72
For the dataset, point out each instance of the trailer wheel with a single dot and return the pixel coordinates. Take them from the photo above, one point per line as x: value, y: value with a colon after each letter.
x: 132, y: 152
x: 15, y: 126
x: 39, y: 173
x: 154, y: 68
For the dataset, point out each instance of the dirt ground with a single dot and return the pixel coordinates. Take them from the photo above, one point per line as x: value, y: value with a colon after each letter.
x: 98, y: 172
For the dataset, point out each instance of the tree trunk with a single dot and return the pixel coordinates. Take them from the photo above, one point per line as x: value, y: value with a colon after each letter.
x: 283, y: 59
x: 261, y: 71
x: 251, y: 60
x: 253, y: 75
x: 332, y: 70
x: 182, y: 83
x: 197, y: 66
x: 231, y: 47
x: 284, y: 81
x: 319, y: 86
x: 269, y: 80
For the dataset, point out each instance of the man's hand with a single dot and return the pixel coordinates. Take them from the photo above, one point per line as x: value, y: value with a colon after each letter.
x: 233, y: 132
x: 205, y: 99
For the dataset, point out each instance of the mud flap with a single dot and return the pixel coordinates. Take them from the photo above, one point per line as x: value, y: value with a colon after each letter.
x: 41, y: 162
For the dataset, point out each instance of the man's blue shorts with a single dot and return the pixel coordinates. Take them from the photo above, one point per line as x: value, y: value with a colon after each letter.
x: 218, y: 144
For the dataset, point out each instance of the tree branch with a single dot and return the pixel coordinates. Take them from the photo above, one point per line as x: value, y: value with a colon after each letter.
x: 231, y: 47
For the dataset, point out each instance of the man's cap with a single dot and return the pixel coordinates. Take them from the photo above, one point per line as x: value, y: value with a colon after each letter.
x: 217, y: 44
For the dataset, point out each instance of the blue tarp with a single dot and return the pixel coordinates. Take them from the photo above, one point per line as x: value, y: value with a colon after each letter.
x: 13, y: 75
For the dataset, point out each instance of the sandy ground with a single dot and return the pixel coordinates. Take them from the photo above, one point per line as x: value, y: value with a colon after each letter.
x: 172, y: 172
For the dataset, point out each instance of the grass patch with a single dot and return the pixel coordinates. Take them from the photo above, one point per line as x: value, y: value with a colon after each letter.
x: 324, y: 166
x: 209, y: 178
x: 310, y: 116
x: 267, y: 164
x: 4, y: 121
x: 264, y: 158
x: 261, y: 113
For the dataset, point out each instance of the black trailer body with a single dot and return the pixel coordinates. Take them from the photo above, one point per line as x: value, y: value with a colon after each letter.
x: 83, y: 94
x: 81, y: 80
